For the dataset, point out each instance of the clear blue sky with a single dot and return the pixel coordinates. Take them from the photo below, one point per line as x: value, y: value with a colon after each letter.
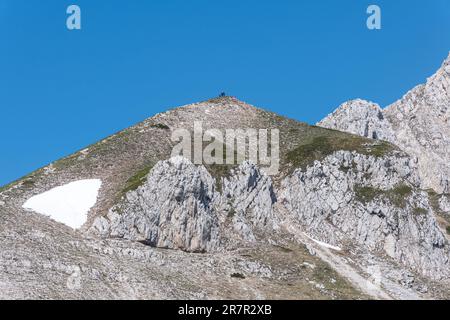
x: 61, y: 90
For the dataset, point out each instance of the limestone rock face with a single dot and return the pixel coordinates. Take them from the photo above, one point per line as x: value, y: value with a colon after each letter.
x: 418, y: 123
x: 360, y: 117
x: 172, y: 209
x: 371, y: 202
x: 249, y: 197
x: 178, y: 207
x: 345, y: 200
x: 444, y: 203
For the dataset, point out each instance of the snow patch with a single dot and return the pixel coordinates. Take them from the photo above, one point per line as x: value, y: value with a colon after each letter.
x: 323, y: 244
x: 68, y: 204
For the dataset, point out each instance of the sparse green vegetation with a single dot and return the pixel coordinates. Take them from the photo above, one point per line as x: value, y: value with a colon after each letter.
x: 380, y: 149
x: 442, y: 218
x: 397, y: 195
x: 366, y: 194
x: 109, y: 144
x: 137, y: 180
x: 66, y: 162
x: 319, y: 147
x: 304, y: 272
x: 419, y: 211
x: 27, y: 181
x: 433, y: 198
x: 219, y: 99
x: 322, y: 273
x: 231, y: 213
x: 306, y: 154
x: 219, y: 171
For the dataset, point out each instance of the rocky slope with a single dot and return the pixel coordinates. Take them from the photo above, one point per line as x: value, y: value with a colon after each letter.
x: 354, y: 200
x: 179, y: 208
x: 345, y: 200
x: 418, y: 123
x: 344, y: 218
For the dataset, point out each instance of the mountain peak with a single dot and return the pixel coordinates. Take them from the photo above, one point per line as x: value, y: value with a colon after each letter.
x: 222, y: 98
x: 417, y: 123
x: 225, y: 100
x: 360, y: 103
x: 359, y: 117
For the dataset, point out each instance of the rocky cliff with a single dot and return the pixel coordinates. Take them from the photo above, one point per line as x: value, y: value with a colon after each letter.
x: 178, y: 207
x: 418, y: 123
x: 345, y: 200
x: 351, y: 199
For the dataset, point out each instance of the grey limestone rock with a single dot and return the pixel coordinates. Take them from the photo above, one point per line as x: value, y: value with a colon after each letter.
x: 418, y: 123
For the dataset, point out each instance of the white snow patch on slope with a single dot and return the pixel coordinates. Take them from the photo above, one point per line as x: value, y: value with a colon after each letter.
x: 68, y: 204
x: 323, y: 244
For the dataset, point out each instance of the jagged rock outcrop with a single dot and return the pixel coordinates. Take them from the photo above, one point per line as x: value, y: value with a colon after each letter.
x: 177, y: 207
x: 418, y: 123
x: 345, y: 199
x: 360, y: 117
x: 249, y: 198
x: 172, y: 209
x: 371, y: 202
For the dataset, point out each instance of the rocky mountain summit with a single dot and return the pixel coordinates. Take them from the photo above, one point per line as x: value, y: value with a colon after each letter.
x: 418, y: 123
x: 360, y: 117
x: 346, y: 217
